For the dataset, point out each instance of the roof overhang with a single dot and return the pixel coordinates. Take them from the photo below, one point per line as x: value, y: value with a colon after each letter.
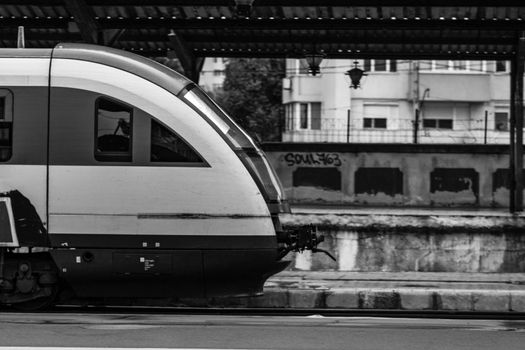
x: 437, y: 29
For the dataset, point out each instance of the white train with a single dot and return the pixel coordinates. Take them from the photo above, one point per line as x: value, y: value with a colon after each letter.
x: 121, y: 178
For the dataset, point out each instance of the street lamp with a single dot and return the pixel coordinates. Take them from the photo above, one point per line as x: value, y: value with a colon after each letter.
x: 314, y: 60
x: 355, y: 75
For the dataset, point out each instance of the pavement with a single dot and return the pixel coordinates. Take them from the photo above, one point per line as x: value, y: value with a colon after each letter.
x: 421, y: 291
x: 409, y: 291
x: 414, y: 291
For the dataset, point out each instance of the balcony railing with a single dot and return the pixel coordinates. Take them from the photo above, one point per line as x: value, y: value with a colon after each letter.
x: 337, y: 130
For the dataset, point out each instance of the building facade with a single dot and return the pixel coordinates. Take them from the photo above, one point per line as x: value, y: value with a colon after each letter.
x: 460, y: 102
x: 212, y: 75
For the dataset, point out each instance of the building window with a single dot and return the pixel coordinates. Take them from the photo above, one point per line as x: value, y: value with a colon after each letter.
x: 375, y: 116
x: 445, y: 115
x: 374, y: 123
x: 6, y: 125
x: 501, y: 66
x: 113, y: 126
x: 501, y: 121
x: 459, y: 66
x: 380, y: 65
x: 288, y: 116
x: 393, y: 65
x: 166, y: 146
x: 303, y: 116
x: 429, y: 123
x: 218, y: 72
x: 309, y: 116
x: 315, y: 115
x: 440, y: 65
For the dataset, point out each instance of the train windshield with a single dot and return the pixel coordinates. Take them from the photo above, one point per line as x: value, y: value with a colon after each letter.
x: 208, y: 108
x: 252, y: 156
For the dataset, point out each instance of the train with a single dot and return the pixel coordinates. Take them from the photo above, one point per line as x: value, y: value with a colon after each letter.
x: 120, y: 178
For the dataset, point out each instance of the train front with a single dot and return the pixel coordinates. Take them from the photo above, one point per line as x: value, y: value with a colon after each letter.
x: 257, y: 164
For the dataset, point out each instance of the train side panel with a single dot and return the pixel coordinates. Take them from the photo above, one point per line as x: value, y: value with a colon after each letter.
x: 139, y: 189
x: 23, y: 148
x: 137, y: 225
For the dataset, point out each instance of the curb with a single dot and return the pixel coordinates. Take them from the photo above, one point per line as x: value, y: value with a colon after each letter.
x: 480, y: 300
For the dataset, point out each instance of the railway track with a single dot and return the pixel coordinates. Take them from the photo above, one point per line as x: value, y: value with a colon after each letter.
x: 304, y: 312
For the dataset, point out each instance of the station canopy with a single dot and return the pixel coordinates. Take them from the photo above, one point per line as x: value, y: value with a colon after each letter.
x: 437, y: 29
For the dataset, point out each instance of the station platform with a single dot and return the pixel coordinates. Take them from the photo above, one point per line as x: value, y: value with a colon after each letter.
x: 391, y: 290
x: 415, y: 291
x: 462, y: 239
x: 473, y: 240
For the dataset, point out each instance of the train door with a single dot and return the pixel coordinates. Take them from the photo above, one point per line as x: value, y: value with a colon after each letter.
x: 113, y: 176
x: 23, y: 140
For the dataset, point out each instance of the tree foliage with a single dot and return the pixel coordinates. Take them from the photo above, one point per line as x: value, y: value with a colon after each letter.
x: 252, y: 93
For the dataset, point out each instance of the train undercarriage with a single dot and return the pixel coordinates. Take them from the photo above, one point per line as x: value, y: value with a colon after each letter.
x: 28, y: 281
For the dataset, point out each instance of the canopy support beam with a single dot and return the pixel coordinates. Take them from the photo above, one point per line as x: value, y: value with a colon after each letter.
x: 192, y: 65
x: 85, y: 19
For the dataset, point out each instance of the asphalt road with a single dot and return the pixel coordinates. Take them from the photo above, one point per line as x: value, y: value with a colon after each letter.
x: 254, y: 332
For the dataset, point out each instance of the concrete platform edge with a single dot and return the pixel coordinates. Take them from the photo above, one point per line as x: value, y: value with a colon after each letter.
x: 481, y: 300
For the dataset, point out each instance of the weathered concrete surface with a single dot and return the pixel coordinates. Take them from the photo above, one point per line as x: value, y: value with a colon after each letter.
x: 400, y: 291
x: 415, y: 291
x: 421, y: 240
x: 393, y: 174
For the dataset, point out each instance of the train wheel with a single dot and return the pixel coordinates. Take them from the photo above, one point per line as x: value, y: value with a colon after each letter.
x: 38, y: 304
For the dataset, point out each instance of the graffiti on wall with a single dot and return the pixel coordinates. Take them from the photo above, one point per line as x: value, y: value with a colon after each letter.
x: 318, y: 158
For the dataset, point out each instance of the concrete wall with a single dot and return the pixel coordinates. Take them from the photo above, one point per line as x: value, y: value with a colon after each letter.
x: 411, y: 240
x: 393, y: 174
x: 416, y: 252
x: 459, y: 86
x: 371, y: 181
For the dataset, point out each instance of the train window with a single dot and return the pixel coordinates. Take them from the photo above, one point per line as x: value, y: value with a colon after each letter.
x: 166, y: 146
x: 113, y: 125
x: 205, y: 106
x: 6, y: 125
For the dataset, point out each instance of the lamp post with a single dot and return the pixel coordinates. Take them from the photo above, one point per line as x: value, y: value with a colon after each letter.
x: 314, y: 60
x: 355, y: 74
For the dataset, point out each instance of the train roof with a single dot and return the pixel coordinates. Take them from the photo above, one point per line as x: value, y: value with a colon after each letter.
x: 146, y: 68
x: 26, y: 53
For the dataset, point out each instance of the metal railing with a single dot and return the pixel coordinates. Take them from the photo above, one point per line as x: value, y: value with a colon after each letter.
x: 399, y: 131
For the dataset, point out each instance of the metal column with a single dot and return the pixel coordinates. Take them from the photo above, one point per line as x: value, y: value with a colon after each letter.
x: 516, y: 127
x: 512, y: 136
